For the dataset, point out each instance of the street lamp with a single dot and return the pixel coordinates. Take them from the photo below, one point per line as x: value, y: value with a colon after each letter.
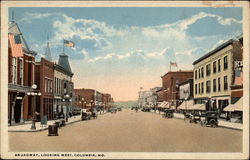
x: 186, y: 103
x: 34, y: 86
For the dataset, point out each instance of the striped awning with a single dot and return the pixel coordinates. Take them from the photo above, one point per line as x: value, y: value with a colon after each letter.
x: 238, y: 106
x: 185, y: 105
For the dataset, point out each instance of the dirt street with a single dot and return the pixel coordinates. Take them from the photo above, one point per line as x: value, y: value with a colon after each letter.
x: 128, y: 131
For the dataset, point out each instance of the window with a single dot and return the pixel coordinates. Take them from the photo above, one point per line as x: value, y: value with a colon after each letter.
x: 208, y: 86
x: 202, y: 72
x: 218, y: 65
x: 195, y: 88
x: 51, y: 84
x: 218, y: 84
x: 199, y: 73
x: 21, y: 71
x: 195, y: 74
x: 214, y: 67
x: 14, y: 70
x: 45, y: 85
x: 225, y: 83
x: 17, y: 39
x: 225, y: 63
x: 208, y: 69
x: 214, y: 85
x: 199, y: 88
x: 202, y: 87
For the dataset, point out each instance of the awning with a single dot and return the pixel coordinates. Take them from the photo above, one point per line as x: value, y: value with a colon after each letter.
x: 238, y: 106
x: 185, y: 105
x: 164, y: 105
x: 197, y: 107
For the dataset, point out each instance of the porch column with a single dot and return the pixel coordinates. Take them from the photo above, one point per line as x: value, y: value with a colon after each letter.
x: 13, y: 111
x: 21, y: 119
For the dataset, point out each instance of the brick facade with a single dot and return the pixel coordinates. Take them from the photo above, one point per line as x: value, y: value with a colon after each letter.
x: 170, y: 81
x: 45, y: 82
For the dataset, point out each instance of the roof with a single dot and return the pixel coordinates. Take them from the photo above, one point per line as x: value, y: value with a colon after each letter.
x: 64, y: 63
x: 15, y: 30
x: 187, y: 81
x: 227, y: 43
x: 177, y: 72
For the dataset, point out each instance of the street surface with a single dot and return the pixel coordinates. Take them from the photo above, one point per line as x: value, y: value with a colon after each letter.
x: 128, y: 131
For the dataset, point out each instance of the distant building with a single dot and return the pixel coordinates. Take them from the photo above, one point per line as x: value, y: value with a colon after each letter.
x: 214, y: 74
x: 90, y: 98
x: 148, y: 98
x: 170, y: 85
x: 21, y: 73
x: 106, y: 100
x: 63, y: 86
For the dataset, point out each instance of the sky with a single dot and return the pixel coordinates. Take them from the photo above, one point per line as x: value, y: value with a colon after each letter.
x: 118, y: 50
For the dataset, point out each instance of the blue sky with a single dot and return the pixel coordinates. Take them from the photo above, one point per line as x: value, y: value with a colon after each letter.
x: 118, y: 50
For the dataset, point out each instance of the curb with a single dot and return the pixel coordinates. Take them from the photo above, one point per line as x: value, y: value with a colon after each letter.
x: 39, y: 130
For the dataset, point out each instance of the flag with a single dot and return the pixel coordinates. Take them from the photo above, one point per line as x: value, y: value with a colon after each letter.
x: 67, y: 43
x: 174, y: 64
x: 238, y: 77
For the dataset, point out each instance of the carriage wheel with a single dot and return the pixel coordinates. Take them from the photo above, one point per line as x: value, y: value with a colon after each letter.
x: 213, y: 123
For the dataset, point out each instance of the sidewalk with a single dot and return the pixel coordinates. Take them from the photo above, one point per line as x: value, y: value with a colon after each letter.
x: 26, y: 127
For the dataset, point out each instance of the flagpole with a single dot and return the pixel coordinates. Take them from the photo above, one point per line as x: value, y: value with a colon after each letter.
x: 63, y: 46
x: 170, y: 65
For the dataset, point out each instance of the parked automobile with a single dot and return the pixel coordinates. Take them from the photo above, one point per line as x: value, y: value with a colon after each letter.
x: 86, y: 115
x: 145, y: 109
x: 76, y: 111
x: 168, y: 113
x: 211, y: 119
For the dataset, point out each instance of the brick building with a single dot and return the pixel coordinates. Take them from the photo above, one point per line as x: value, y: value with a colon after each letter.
x: 106, y: 100
x: 89, y: 98
x: 44, y: 79
x: 84, y: 98
x: 21, y: 66
x: 170, y: 85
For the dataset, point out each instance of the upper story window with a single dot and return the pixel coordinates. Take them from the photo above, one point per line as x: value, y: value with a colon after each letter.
x: 195, y: 88
x: 225, y: 63
x: 202, y: 87
x: 208, y: 69
x: 218, y: 65
x: 208, y: 85
x: 225, y: 83
x: 214, y: 67
x: 199, y: 88
x: 214, y: 85
x: 45, y: 85
x: 195, y: 74
x: 202, y: 72
x: 21, y: 71
x: 14, y: 70
x: 199, y: 73
x: 218, y: 84
x: 17, y: 39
